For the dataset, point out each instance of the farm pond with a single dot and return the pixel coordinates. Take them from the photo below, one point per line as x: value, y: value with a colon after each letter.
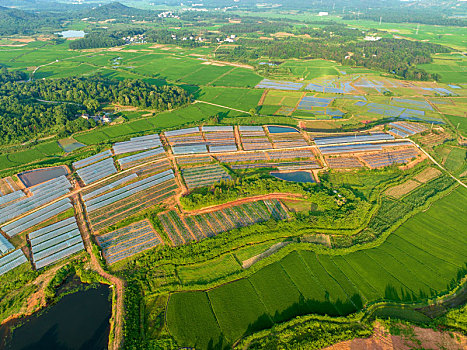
x: 67, y: 34
x: 37, y: 176
x: 77, y: 321
x: 295, y: 176
x: 280, y: 129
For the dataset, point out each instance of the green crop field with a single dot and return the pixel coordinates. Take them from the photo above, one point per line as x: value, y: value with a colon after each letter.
x: 460, y: 123
x: 452, y: 68
x: 456, y: 161
x: 238, y: 98
x: 208, y: 271
x: 41, y: 151
x: 238, y: 77
x: 311, y: 69
x: 207, y: 332
x: 422, y: 258
x: 238, y: 309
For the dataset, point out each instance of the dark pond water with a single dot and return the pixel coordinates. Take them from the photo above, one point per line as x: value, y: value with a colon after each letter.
x: 78, y: 321
x: 35, y: 177
x: 280, y: 129
x: 296, y: 176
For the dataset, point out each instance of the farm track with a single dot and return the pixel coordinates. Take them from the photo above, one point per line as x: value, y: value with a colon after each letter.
x: 242, y: 201
x: 117, y: 284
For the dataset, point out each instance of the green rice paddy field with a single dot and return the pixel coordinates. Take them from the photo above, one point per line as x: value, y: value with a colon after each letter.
x: 452, y: 68
x: 422, y: 258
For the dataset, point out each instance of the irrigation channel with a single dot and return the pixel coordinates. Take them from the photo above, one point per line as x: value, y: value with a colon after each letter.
x: 77, y: 321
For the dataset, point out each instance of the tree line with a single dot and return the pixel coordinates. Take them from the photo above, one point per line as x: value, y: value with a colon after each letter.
x: 27, y: 109
x: 423, y: 16
x: 395, y: 56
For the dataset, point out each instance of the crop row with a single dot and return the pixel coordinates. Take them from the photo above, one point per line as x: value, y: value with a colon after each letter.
x: 154, y: 168
x: 193, y: 160
x: 128, y: 241
x: 132, y: 205
x: 227, y: 219
x: 344, y: 162
x: 140, y: 161
x: 132, y: 211
x: 180, y: 227
x: 170, y: 229
x: 156, y: 190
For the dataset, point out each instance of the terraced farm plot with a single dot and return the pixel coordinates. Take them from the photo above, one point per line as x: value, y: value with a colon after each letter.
x: 220, y: 138
x: 97, y: 171
x: 185, y: 229
x: 288, y: 140
x: 141, y: 158
x: 186, y: 141
x: 344, y: 162
x: 283, y: 166
x: 254, y: 138
x: 405, y: 129
x: 127, y: 200
x: 387, y: 158
x: 41, y: 195
x: 419, y: 259
x: 55, y: 242
x: 128, y: 241
x: 402, y: 189
x: 12, y: 260
x: 193, y: 160
x: 205, y: 175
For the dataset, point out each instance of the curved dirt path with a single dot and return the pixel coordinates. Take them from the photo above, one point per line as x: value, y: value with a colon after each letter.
x: 244, y: 200
x: 118, y: 285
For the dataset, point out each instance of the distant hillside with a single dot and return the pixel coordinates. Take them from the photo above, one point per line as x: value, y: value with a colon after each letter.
x: 28, y: 22
x: 116, y: 10
x: 13, y: 21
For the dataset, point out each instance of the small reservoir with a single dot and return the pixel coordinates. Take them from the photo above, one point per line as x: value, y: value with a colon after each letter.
x: 72, y: 34
x: 34, y: 177
x: 295, y: 176
x: 78, y: 321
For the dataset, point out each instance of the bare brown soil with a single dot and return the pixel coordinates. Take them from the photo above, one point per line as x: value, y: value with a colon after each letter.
x: 263, y: 97
x: 427, y: 175
x: 268, y: 252
x: 402, y: 189
x: 416, y: 338
x: 244, y: 200
x: 23, y: 40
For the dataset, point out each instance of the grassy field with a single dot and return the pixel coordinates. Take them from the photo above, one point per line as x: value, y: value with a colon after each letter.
x: 41, y: 151
x: 208, y: 271
x: 239, y: 98
x: 422, y: 258
x: 452, y: 68
x: 460, y: 123
x: 456, y: 160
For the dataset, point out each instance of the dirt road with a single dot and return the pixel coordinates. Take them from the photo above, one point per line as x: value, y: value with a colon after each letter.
x: 117, y: 284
